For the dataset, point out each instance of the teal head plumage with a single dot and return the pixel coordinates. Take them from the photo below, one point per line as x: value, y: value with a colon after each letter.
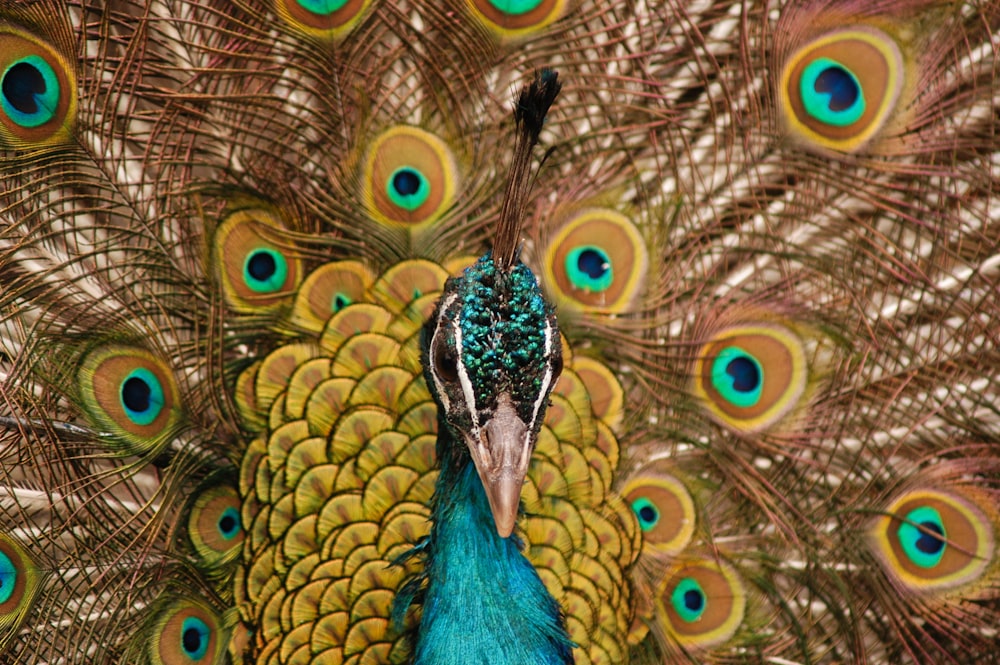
x: 492, y: 355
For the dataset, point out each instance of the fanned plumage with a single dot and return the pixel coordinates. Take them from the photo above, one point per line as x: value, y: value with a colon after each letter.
x: 768, y: 231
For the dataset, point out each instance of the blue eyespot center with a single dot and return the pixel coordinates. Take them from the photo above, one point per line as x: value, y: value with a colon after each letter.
x: 8, y: 577
x: 738, y: 377
x: 340, y: 301
x: 688, y: 599
x: 841, y: 85
x: 593, y: 263
x: 745, y: 373
x: 142, y: 396
x: 928, y: 543
x: 406, y: 181
x: 229, y: 523
x: 261, y: 266
x: 30, y: 92
x: 23, y: 84
x: 195, y: 635
x: 408, y: 188
x: 589, y: 268
x: 831, y: 93
x: 265, y: 270
x: 647, y: 513
x: 693, y: 600
x: 922, y: 535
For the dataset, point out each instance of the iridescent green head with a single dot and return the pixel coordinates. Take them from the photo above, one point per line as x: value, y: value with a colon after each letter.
x: 493, y: 356
x: 492, y: 348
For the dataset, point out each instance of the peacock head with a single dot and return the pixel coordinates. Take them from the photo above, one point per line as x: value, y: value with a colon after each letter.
x: 492, y: 355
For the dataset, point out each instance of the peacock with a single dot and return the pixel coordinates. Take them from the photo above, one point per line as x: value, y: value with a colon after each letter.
x: 461, y: 332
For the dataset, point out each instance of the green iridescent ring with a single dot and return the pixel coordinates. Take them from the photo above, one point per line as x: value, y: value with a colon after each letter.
x: 923, y: 536
x: 738, y: 377
x: 831, y: 93
x: 515, y: 7
x: 408, y: 188
x: 30, y: 82
x: 265, y: 270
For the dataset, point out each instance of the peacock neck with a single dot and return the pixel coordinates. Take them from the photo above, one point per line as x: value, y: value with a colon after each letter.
x: 485, y: 604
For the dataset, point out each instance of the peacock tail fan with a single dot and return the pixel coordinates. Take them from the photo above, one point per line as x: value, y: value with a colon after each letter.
x: 761, y: 238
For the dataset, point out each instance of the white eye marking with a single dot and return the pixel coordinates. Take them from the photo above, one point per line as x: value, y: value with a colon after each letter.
x: 543, y: 394
x: 466, y: 383
x: 432, y: 353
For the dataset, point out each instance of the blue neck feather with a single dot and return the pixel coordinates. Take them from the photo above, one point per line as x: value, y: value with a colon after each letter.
x: 485, y: 604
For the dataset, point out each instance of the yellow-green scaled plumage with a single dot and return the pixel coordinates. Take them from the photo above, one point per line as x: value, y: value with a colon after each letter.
x: 223, y: 225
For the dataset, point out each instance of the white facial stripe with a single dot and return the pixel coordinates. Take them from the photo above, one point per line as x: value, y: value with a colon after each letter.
x: 463, y: 379
x: 543, y: 394
x: 442, y: 393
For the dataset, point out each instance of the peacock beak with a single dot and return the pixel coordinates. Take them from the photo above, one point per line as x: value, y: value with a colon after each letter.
x: 501, y: 457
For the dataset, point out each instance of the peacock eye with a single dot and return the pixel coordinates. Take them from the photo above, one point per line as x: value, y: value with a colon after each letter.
x: 556, y: 361
x: 445, y: 360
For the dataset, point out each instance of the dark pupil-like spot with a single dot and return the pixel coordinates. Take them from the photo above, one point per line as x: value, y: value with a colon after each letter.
x: 841, y: 86
x: 136, y: 394
x: 592, y: 263
x: 746, y: 376
x: 262, y: 266
x: 927, y: 542
x: 447, y: 366
x: 693, y: 600
x: 192, y: 640
x: 21, y: 85
x: 406, y: 182
x: 227, y: 524
x: 339, y: 302
x: 647, y: 514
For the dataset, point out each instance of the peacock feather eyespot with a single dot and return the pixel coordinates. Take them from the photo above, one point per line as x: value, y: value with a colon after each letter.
x: 751, y: 376
x: 839, y: 90
x: 665, y: 511
x: 516, y: 19
x: 323, y: 19
x: 410, y: 177
x: 703, y: 603
x: 186, y: 632
x: 328, y: 290
x: 932, y: 540
x: 130, y: 393
x: 258, y: 270
x: 37, y: 91
x: 215, y: 526
x: 20, y: 583
x: 596, y: 261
